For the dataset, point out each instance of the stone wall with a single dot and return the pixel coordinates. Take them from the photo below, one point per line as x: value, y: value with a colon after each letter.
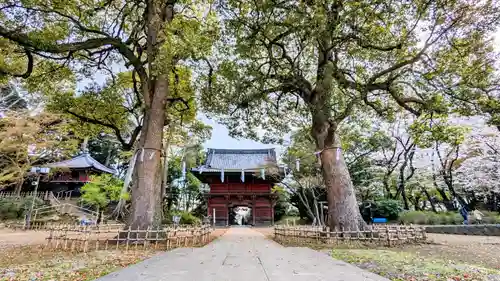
x: 475, y: 229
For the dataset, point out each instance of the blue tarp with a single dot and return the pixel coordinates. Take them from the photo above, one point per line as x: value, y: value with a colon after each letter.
x: 379, y: 220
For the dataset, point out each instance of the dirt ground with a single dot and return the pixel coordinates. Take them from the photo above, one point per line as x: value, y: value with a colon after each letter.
x: 11, y: 238
x: 479, y: 250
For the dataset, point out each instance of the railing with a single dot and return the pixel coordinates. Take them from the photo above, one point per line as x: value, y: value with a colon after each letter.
x: 238, y: 192
x: 53, y: 199
x: 64, y: 208
x: 240, y: 188
x: 42, y: 195
x: 64, y: 195
x: 389, y: 235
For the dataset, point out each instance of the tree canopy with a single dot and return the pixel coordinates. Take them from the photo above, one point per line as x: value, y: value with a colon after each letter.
x: 140, y: 48
x: 327, y: 60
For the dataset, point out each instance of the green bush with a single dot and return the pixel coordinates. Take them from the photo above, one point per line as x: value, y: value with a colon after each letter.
x: 14, y: 208
x: 427, y: 217
x: 414, y: 217
x: 389, y: 209
x: 188, y: 218
x: 292, y: 220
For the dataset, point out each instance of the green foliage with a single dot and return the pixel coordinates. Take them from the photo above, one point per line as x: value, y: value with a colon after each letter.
x: 101, y: 190
x: 429, y: 129
x: 27, y: 140
x: 14, y: 208
x: 186, y: 217
x: 292, y: 220
x: 388, y: 208
x: 105, y: 150
x: 282, y: 203
x: 427, y: 217
x: 106, y: 62
x: 308, y: 62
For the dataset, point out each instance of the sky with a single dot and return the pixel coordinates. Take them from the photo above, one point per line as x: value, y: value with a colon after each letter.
x: 221, y: 139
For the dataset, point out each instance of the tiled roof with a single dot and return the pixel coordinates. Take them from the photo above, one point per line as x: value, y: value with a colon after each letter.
x: 82, y: 161
x: 238, y: 159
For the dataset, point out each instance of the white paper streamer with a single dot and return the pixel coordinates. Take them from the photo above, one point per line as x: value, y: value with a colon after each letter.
x: 183, y: 170
x: 242, y: 175
x: 297, y: 164
x: 262, y: 172
x: 222, y: 175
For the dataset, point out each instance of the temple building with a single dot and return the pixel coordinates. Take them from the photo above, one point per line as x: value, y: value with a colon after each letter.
x: 68, y: 176
x: 241, y: 182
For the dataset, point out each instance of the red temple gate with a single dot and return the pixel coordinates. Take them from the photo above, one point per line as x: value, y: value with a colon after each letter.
x: 235, y: 179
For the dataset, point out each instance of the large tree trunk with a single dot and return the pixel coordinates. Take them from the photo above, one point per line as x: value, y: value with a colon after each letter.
x: 146, y: 190
x: 343, y: 210
x: 146, y: 208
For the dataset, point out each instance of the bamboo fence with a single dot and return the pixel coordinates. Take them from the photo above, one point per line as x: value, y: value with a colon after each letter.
x: 41, y: 195
x: 388, y: 235
x: 91, y: 238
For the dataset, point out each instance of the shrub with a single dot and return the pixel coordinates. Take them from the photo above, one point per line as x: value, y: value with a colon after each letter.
x: 414, y: 217
x: 8, y: 209
x: 427, y: 217
x: 14, y: 208
x: 188, y: 218
x: 388, y: 208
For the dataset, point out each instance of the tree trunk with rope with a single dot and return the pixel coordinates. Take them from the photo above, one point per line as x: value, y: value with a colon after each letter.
x: 146, y: 209
x: 343, y: 210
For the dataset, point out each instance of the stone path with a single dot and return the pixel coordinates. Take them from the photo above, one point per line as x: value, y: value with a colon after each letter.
x: 242, y: 254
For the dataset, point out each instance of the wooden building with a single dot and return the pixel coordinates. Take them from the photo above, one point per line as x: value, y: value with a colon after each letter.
x: 240, y: 180
x: 67, y: 177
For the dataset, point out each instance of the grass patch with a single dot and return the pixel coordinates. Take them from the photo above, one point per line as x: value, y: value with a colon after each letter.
x: 404, y: 266
x: 33, y: 264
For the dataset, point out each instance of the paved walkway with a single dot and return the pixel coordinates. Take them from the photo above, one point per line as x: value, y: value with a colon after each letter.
x: 242, y: 254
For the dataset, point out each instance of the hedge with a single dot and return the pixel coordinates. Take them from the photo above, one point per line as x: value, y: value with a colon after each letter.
x: 14, y: 208
x: 431, y: 218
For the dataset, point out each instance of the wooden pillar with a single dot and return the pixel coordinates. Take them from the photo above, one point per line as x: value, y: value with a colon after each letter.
x: 253, y: 209
x: 227, y: 214
x: 227, y: 209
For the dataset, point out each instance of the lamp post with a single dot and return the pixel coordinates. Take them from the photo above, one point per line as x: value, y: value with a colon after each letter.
x: 38, y: 171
